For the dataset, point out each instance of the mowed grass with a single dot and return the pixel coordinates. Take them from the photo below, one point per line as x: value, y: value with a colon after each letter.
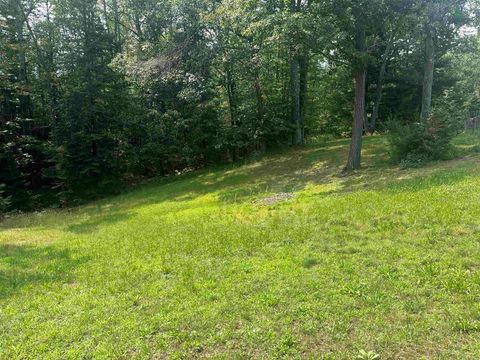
x: 384, y: 260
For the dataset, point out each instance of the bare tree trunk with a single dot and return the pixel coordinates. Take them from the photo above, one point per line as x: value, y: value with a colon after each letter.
x: 116, y: 28
x: 50, y: 69
x: 285, y: 74
x: 428, y: 75
x: 138, y: 26
x: 303, y: 92
x: 230, y: 86
x: 260, y: 97
x: 45, y: 58
x: 105, y: 15
x: 24, y: 97
x: 297, y: 138
x: 354, y: 155
x: 295, y: 87
x: 379, y: 92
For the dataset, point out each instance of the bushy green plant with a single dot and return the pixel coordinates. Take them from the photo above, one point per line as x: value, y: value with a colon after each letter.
x: 415, y: 143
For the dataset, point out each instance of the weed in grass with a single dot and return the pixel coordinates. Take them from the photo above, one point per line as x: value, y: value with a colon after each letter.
x: 370, y: 355
x: 310, y: 262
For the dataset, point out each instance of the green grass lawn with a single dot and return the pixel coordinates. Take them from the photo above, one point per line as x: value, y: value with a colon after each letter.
x: 384, y: 260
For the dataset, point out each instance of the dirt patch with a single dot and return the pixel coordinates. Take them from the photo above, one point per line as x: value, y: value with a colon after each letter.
x: 272, y: 200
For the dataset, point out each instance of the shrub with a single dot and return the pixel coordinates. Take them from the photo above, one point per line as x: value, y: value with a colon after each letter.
x: 415, y: 143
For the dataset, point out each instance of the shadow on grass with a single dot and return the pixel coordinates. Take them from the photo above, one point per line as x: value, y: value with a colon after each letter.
x: 282, y: 171
x: 95, y: 222
x: 30, y: 266
x: 289, y: 170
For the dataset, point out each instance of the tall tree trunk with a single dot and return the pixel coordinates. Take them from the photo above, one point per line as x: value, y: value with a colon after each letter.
x: 116, y: 27
x: 285, y: 78
x: 260, y: 97
x: 295, y: 87
x: 45, y: 58
x: 51, y: 70
x: 379, y: 92
x: 24, y: 96
x: 138, y: 26
x: 354, y: 155
x: 428, y: 75
x: 230, y: 86
x: 105, y: 15
x: 303, y: 92
x: 297, y: 137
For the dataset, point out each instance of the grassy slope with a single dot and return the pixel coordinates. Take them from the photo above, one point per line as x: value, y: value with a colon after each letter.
x: 384, y: 260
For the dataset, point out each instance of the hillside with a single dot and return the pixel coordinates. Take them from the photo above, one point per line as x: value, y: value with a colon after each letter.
x: 212, y: 264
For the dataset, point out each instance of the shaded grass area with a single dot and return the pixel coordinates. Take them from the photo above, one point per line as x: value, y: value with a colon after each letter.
x: 384, y: 260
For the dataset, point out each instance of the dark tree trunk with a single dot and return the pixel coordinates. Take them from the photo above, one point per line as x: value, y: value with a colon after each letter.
x: 428, y: 75
x: 24, y: 96
x: 46, y: 61
x: 303, y: 93
x: 230, y: 86
x: 50, y: 70
x: 260, y: 97
x: 285, y: 73
x: 354, y: 156
x: 297, y: 138
x: 116, y: 28
x: 379, y: 93
x: 360, y: 68
x: 295, y: 87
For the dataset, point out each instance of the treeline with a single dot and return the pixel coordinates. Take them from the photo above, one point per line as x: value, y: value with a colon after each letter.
x: 97, y: 94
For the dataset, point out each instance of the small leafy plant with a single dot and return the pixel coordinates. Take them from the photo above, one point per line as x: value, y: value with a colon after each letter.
x: 370, y: 355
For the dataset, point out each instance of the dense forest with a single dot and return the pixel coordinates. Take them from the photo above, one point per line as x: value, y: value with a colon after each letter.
x: 99, y: 94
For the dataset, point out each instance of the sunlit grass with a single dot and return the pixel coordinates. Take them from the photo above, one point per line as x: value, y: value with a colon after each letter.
x: 384, y: 260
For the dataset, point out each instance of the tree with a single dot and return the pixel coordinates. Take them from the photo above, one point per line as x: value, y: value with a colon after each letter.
x: 93, y: 106
x: 355, y: 22
x: 360, y: 26
x: 441, y: 21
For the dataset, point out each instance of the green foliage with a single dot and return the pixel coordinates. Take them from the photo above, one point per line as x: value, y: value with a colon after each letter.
x: 416, y: 143
x: 333, y: 95
x: 95, y: 95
